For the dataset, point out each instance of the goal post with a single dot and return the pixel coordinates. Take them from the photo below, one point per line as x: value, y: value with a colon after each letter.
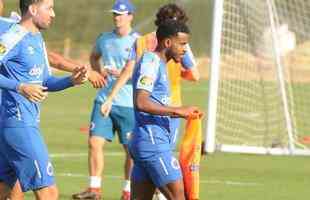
x: 259, y: 93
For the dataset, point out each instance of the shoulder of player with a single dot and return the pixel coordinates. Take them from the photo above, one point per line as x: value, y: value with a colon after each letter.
x: 151, y: 58
x: 14, y: 35
x: 105, y: 35
x: 7, y: 20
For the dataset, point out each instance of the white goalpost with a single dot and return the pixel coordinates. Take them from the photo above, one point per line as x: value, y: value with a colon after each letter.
x: 259, y: 92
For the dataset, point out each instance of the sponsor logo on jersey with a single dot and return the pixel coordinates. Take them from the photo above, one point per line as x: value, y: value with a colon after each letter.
x: 146, y: 81
x: 31, y: 50
x: 2, y: 49
x: 36, y: 71
x: 165, y: 100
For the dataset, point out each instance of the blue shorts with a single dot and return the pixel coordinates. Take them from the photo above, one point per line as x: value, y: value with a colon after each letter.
x: 24, y: 157
x: 174, y: 131
x: 120, y: 120
x: 160, y: 169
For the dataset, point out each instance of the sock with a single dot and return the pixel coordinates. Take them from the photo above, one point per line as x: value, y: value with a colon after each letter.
x: 95, y: 182
x: 126, y: 186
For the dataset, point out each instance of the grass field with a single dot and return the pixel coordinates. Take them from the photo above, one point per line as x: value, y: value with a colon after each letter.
x: 223, y: 176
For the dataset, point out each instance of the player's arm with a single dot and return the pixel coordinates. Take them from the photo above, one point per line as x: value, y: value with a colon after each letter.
x: 189, y: 69
x: 59, y: 62
x: 53, y: 83
x: 96, y: 75
x: 147, y: 76
x: 143, y: 103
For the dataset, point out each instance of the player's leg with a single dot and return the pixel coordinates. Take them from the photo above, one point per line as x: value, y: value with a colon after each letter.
x: 142, y: 187
x: 166, y: 174
x: 16, y: 192
x: 47, y: 193
x: 27, y: 155
x: 123, y: 121
x: 4, y: 191
x: 101, y: 130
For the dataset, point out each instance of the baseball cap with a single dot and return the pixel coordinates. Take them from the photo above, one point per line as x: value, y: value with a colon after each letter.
x: 123, y: 7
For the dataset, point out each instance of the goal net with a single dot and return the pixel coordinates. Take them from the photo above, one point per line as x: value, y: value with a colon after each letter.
x: 259, y: 100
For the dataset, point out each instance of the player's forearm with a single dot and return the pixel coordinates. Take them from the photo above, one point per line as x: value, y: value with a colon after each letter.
x: 95, y: 63
x: 54, y: 84
x: 59, y: 62
x: 8, y: 84
x: 125, y: 75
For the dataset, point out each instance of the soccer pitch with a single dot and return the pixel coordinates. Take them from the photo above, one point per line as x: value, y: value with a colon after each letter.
x: 223, y: 176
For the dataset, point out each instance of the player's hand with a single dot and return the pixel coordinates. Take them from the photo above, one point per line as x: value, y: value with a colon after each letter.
x: 186, y: 111
x: 79, y: 75
x: 106, y: 107
x: 96, y: 79
x: 33, y: 92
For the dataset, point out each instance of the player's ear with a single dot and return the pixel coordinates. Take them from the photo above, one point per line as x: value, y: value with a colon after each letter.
x: 167, y: 42
x: 33, y: 9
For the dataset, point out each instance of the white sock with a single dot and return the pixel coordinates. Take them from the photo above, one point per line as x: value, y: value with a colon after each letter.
x: 160, y: 196
x: 95, y: 182
x: 126, y: 186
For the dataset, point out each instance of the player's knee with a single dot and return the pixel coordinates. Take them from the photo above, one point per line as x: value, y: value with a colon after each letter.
x: 178, y: 194
x: 94, y: 145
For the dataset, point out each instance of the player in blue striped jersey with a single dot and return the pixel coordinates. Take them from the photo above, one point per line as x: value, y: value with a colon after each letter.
x: 150, y: 145
x: 25, y: 79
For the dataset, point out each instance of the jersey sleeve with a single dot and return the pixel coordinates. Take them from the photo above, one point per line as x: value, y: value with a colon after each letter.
x: 188, y: 60
x: 149, y: 68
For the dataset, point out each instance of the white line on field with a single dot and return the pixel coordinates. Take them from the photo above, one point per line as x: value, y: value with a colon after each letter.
x: 231, y: 183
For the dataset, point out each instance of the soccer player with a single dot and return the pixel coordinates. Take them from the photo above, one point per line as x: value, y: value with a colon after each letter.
x: 25, y: 79
x: 113, y: 48
x: 150, y: 145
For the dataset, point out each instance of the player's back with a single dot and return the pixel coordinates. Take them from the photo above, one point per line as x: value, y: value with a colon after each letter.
x: 23, y: 60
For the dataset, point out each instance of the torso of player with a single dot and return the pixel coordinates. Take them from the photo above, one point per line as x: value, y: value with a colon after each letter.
x: 160, y: 94
x: 23, y: 57
x: 148, y: 42
x: 114, y: 52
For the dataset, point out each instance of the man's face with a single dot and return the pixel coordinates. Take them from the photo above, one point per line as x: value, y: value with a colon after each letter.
x: 123, y: 20
x: 44, y: 14
x: 177, y: 48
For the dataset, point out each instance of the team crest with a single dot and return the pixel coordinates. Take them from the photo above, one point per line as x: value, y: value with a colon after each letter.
x: 175, y: 163
x: 146, y: 81
x: 49, y: 169
x: 2, y: 49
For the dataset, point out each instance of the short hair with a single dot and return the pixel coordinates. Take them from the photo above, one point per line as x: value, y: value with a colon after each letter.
x: 171, y: 28
x: 24, y: 5
x: 170, y: 11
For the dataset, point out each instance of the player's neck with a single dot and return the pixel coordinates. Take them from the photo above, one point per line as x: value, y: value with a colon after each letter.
x: 123, y: 31
x: 161, y: 53
x: 29, y: 25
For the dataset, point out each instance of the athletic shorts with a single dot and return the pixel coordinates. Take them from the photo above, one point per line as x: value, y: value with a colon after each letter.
x: 174, y: 131
x: 160, y: 169
x: 24, y: 156
x: 120, y: 120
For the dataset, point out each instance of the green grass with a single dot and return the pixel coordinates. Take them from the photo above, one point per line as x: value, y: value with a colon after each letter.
x: 223, y: 176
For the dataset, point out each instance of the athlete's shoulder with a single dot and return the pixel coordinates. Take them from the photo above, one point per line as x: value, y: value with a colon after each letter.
x: 105, y: 35
x: 150, y: 59
x: 10, y: 38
